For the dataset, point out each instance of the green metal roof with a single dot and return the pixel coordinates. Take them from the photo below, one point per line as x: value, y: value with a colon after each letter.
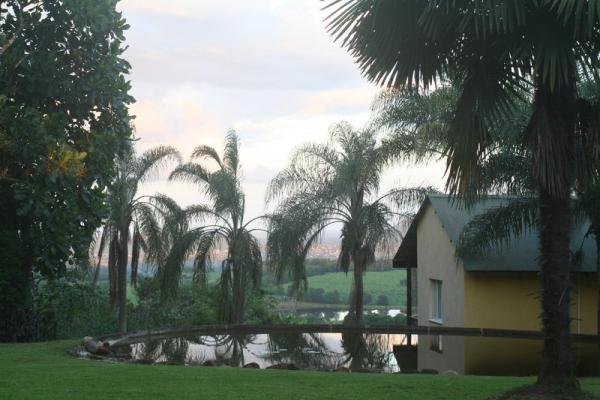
x: 520, y: 254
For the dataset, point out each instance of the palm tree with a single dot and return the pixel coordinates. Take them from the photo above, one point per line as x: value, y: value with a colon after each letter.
x: 133, y: 219
x: 223, y: 222
x: 496, y: 52
x: 335, y: 184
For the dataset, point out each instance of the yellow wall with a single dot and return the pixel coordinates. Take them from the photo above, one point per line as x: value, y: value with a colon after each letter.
x: 510, y: 300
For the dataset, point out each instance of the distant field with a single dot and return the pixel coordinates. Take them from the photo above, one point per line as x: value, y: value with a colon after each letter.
x: 375, y: 283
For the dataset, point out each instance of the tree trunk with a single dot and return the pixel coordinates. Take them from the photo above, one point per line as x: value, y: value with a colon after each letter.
x: 238, y: 295
x: 555, y: 278
x: 122, y: 279
x: 551, y: 133
x: 357, y: 292
x: 16, y: 281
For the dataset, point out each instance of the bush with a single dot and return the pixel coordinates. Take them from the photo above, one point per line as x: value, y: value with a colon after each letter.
x: 75, y: 308
x: 367, y: 298
x: 383, y: 300
x: 332, y: 297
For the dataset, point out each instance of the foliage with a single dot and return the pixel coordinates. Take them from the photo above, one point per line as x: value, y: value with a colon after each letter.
x: 74, y: 308
x: 222, y: 222
x: 335, y: 184
x: 63, y: 118
x: 191, y: 308
x: 151, y: 224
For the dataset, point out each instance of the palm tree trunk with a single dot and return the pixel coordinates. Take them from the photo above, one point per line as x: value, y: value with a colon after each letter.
x: 238, y: 295
x: 555, y: 278
x: 96, y: 275
x: 122, y: 279
x: 358, y: 292
x: 552, y: 135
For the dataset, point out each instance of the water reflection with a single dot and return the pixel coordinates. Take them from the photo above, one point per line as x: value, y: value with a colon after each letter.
x: 307, y: 351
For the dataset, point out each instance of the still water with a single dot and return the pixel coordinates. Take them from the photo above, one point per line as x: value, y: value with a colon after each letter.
x: 307, y: 351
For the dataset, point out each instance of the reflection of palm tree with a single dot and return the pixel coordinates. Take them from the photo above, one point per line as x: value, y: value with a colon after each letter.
x: 173, y: 350
x: 305, y: 350
x: 229, y: 349
x: 368, y: 351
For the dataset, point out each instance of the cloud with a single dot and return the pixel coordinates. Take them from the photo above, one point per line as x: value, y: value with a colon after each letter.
x: 267, y: 68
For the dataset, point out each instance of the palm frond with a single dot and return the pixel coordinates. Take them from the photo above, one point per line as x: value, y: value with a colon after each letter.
x: 207, y: 152
x: 389, y: 43
x: 192, y: 173
x: 231, y: 153
x: 496, y: 227
x: 153, y: 159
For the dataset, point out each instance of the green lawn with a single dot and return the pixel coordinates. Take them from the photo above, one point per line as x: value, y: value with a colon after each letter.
x: 45, y: 371
x: 375, y: 283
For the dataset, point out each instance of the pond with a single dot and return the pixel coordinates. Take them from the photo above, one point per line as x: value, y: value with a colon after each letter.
x: 338, y: 315
x: 306, y: 351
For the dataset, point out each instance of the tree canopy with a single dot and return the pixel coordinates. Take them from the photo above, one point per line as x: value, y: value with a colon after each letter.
x: 63, y: 119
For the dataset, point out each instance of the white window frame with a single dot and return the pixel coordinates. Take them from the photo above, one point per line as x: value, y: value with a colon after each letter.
x: 436, y: 315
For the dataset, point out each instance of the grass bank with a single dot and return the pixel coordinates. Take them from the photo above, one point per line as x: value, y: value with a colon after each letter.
x: 45, y: 371
x: 376, y: 283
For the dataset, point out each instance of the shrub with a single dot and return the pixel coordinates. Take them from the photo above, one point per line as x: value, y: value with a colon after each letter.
x: 332, y: 297
x: 383, y: 300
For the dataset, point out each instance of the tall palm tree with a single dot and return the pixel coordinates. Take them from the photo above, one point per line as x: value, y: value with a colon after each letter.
x: 222, y: 222
x: 133, y: 219
x: 335, y: 184
x: 496, y: 51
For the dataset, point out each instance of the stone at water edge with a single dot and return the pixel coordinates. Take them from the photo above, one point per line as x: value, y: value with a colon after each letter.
x: 96, y: 348
x: 283, y: 366
x: 252, y: 365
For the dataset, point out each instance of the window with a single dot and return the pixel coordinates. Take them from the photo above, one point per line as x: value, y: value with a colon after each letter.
x: 436, y: 301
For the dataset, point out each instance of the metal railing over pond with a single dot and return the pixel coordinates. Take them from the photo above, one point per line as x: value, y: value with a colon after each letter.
x: 210, y: 330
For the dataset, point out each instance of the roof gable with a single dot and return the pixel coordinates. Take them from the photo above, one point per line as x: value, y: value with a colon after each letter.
x: 520, y: 254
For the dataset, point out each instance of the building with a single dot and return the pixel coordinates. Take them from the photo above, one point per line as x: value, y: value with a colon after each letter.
x: 499, y: 290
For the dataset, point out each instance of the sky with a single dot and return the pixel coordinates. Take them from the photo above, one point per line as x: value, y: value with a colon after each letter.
x: 266, y: 68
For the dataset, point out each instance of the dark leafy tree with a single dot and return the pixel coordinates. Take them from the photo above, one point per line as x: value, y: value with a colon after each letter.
x: 222, y: 222
x: 63, y: 119
x: 496, y: 52
x: 336, y: 184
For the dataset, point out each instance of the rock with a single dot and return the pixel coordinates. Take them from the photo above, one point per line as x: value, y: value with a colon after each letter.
x: 366, y: 370
x: 342, y: 369
x: 283, y: 366
x: 96, y: 348
x: 89, y: 345
x: 209, y: 363
x: 450, y: 372
x: 143, y: 361
x: 410, y: 371
x: 252, y: 365
x: 103, y: 349
x: 429, y: 371
x: 167, y: 363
